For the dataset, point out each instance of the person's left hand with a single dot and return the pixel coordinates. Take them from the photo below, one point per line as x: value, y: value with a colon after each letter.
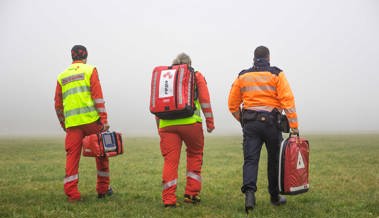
x: 210, y: 129
x: 105, y: 127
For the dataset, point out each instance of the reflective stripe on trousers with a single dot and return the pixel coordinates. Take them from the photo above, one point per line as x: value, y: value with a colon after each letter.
x: 102, y: 173
x: 170, y: 184
x: 194, y: 176
x: 70, y: 178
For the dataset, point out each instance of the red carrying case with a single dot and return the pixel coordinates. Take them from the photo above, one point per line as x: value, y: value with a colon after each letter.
x: 294, y: 166
x: 106, y: 144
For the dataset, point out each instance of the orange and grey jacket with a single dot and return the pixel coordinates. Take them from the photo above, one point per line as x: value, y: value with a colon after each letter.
x: 262, y: 88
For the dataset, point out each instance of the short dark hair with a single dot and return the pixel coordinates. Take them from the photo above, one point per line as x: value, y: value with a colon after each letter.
x: 79, y: 52
x: 261, y: 52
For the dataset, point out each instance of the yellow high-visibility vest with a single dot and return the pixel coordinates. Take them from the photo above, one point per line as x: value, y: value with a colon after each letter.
x: 78, y: 106
x: 195, y: 118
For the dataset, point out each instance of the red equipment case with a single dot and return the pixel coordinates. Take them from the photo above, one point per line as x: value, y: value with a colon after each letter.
x: 106, y: 144
x: 172, y: 92
x: 294, y: 166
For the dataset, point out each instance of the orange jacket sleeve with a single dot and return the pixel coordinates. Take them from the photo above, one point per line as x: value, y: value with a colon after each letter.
x: 97, y: 96
x: 287, y: 100
x: 204, y: 99
x: 59, y: 104
x: 235, y: 100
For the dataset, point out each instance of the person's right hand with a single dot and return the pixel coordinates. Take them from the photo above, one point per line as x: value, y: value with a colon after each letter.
x: 294, y: 131
x: 105, y: 127
x: 210, y: 129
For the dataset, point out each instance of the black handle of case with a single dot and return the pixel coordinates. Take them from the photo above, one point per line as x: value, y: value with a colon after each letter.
x: 298, y: 135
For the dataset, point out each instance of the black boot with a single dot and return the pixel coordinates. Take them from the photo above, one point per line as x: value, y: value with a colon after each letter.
x: 249, y: 200
x: 278, y: 200
x: 108, y: 193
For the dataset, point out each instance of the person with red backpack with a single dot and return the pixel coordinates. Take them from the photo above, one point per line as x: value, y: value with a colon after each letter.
x: 189, y: 129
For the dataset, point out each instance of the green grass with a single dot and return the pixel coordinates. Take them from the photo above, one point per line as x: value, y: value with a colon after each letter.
x: 344, y: 178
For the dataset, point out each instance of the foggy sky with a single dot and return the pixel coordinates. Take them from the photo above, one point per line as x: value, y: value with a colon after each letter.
x: 328, y: 50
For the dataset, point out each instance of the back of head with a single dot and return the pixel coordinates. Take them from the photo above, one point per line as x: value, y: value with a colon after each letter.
x: 261, y: 52
x: 182, y: 58
x: 79, y: 52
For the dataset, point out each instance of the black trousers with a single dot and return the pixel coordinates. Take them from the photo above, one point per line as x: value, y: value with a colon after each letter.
x: 255, y: 133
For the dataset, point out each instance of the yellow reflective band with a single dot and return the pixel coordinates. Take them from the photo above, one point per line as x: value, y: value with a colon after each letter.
x: 75, y: 90
x: 292, y: 120
x: 77, y: 111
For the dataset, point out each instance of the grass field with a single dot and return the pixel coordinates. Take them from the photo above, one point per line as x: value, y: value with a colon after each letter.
x: 344, y: 178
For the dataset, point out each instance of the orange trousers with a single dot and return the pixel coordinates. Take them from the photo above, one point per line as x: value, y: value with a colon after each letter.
x: 73, y: 146
x: 171, y: 144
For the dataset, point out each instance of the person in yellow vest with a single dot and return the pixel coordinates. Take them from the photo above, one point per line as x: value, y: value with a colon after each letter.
x: 173, y: 132
x: 80, y: 108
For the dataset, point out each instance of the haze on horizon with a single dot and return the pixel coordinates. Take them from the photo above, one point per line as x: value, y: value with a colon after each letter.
x: 327, y: 49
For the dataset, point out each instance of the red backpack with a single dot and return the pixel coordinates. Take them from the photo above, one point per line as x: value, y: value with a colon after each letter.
x: 172, y: 92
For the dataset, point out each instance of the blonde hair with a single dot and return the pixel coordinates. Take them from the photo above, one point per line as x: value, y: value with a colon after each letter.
x: 182, y: 58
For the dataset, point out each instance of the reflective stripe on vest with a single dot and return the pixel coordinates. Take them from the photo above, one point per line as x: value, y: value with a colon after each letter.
x: 290, y: 110
x: 195, y: 118
x: 79, y: 111
x: 257, y: 88
x: 79, y: 108
x: 76, y: 90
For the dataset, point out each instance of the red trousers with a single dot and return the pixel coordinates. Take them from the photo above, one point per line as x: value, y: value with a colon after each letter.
x: 73, y: 146
x: 171, y: 144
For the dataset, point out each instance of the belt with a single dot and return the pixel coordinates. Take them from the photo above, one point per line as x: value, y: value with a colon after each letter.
x: 263, y: 116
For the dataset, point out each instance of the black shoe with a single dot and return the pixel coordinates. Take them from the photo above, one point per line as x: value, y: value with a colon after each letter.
x: 249, y: 201
x: 278, y: 200
x: 108, y: 193
x: 191, y: 199
x: 172, y: 205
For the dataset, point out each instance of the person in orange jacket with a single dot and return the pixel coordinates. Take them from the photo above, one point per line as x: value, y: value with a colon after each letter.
x: 80, y: 109
x: 264, y: 93
x: 173, y: 132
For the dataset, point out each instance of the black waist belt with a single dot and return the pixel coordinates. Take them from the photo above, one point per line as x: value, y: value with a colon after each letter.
x: 263, y: 116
